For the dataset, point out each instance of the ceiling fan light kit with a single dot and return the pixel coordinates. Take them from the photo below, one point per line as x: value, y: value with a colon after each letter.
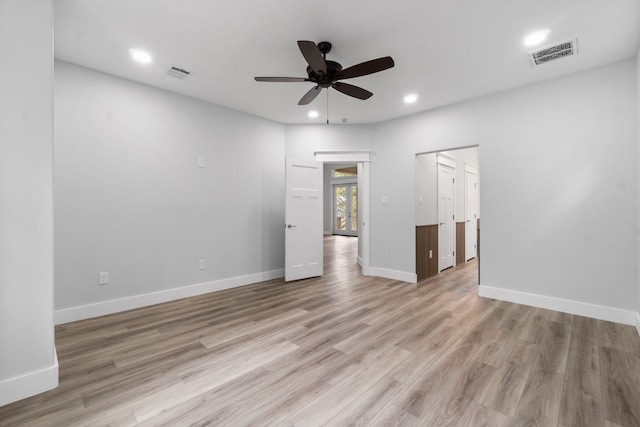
x: 326, y: 73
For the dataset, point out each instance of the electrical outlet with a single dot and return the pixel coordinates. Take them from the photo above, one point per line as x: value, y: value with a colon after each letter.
x: 104, y: 278
x: 203, y: 264
x: 430, y: 253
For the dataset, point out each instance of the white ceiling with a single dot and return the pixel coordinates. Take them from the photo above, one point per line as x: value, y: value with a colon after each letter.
x: 445, y: 50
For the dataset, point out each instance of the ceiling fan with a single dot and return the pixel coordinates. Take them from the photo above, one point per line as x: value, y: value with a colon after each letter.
x: 326, y: 73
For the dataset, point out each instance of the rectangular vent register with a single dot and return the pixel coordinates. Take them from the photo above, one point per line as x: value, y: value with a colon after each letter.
x: 554, y: 52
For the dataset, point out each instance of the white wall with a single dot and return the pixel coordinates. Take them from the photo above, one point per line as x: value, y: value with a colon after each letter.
x: 28, y: 363
x: 426, y: 172
x: 558, y: 185
x: 426, y: 198
x: 303, y: 140
x: 132, y: 201
x: 468, y: 156
x: 638, y: 195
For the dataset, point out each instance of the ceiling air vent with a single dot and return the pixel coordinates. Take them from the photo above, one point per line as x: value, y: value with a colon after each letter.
x: 551, y: 53
x: 178, y: 72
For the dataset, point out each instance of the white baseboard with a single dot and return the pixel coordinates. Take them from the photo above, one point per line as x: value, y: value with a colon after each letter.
x: 360, y: 262
x: 602, y: 312
x: 30, y: 384
x: 393, y: 274
x: 638, y: 322
x: 88, y: 311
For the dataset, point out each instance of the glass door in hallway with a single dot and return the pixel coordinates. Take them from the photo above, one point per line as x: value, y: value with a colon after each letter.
x: 345, y: 202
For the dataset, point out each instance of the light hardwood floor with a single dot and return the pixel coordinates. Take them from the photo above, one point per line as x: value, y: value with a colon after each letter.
x: 342, y: 350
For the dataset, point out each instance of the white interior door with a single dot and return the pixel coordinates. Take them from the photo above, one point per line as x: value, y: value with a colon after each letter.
x: 471, y: 214
x: 446, y: 230
x: 303, y: 219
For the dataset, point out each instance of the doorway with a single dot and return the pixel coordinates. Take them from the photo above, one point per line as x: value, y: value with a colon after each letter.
x: 353, y: 168
x: 447, y: 210
x: 345, y: 209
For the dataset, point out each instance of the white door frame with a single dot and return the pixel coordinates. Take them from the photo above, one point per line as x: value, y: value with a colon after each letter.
x: 363, y: 159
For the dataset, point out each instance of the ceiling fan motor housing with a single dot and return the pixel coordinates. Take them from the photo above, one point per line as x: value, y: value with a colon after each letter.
x: 325, y: 80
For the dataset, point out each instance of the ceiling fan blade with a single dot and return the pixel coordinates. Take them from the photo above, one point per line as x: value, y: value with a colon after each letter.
x: 281, y: 79
x: 313, y: 56
x: 351, y: 90
x: 365, y: 68
x: 310, y: 96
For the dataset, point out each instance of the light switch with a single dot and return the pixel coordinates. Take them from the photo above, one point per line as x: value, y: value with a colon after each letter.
x: 104, y: 278
x: 385, y: 200
x: 201, y: 162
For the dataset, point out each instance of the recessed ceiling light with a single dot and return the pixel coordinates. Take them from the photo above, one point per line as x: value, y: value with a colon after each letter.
x: 536, y: 37
x: 140, y: 56
x: 313, y: 114
x: 411, y: 98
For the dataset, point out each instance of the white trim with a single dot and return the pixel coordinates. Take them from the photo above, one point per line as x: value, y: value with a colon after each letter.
x: 471, y: 168
x: 360, y: 261
x: 638, y: 322
x: 393, y: 274
x: 343, y: 156
x: 443, y: 159
x: 88, y: 311
x: 343, y: 179
x: 364, y: 226
x: 29, y: 384
x: 602, y: 312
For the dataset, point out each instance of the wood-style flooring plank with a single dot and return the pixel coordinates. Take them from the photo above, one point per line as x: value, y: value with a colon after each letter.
x: 481, y: 416
x: 361, y: 411
x: 620, y: 376
x: 392, y: 416
x: 581, y: 399
x: 540, y: 401
x: 554, y: 347
x: 346, y: 387
x: 507, y: 384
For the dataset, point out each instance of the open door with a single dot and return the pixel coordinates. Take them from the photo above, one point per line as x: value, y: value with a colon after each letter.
x: 446, y: 230
x: 303, y: 219
x: 471, y: 212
